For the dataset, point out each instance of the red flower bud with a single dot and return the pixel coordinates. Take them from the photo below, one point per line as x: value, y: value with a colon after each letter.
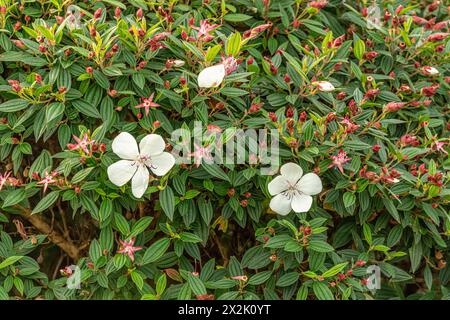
x: 287, y: 78
x: 139, y: 13
x: 98, y: 13
x: 273, y: 116
x: 38, y: 78
x: 290, y: 112
x: 371, y: 55
x: 117, y: 12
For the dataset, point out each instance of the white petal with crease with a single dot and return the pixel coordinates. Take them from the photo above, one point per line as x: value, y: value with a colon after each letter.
x: 301, y: 202
x: 292, y: 172
x: 310, y: 184
x: 211, y: 76
x: 161, y: 164
x: 151, y: 144
x: 125, y: 146
x: 140, y: 181
x: 121, y: 172
x: 280, y: 204
x: 278, y: 185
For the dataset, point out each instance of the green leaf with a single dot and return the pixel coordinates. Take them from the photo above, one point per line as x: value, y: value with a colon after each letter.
x: 415, y: 255
x: 14, y: 197
x: 13, y: 105
x: 212, y: 52
x: 234, y: 44
x: 156, y: 251
x: 334, y: 270
x: 140, y: 226
x: 196, y: 285
x: 367, y: 234
x: 206, y: 210
x: 46, y: 202
x: 167, y: 201
x: 321, y: 291
x: 101, y: 79
x: 137, y: 279
x: 359, y: 49
x: 189, y: 237
x: 106, y: 208
x: 236, y: 17
x: 259, y: 278
x: 3, y: 294
x: 216, y: 171
x: 161, y: 284
x: 9, y: 261
x: 86, y: 108
x: 320, y: 246
x: 54, y: 110
x: 389, y: 205
x: 288, y: 279
x: 349, y: 199
x: 81, y: 175
x: 121, y: 224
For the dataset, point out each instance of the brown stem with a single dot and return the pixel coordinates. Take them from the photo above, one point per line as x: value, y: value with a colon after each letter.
x: 222, y: 249
x: 39, y: 223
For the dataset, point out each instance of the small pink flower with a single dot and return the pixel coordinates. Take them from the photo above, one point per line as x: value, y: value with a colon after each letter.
x: 438, y: 146
x: 350, y: 127
x: 340, y: 160
x: 4, y: 179
x: 204, y: 30
x: 82, y: 144
x: 48, y: 179
x: 147, y: 103
x: 201, y: 153
x: 230, y: 65
x: 128, y: 248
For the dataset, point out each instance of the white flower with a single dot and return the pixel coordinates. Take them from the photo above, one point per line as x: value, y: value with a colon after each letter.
x: 211, y: 77
x: 134, y: 164
x: 430, y: 71
x: 324, y: 86
x: 292, y: 190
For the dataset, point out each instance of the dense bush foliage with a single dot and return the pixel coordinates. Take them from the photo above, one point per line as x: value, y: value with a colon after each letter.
x: 361, y: 107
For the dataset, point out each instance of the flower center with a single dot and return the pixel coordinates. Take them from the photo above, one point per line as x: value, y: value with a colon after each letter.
x: 291, y: 192
x: 143, y: 161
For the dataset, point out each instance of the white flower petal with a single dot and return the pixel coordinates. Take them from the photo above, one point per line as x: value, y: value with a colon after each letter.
x: 280, y: 204
x: 125, y: 146
x: 121, y: 172
x: 161, y: 164
x: 310, y: 184
x: 292, y: 172
x: 211, y: 76
x: 301, y: 202
x: 278, y: 185
x: 152, y: 144
x: 140, y: 181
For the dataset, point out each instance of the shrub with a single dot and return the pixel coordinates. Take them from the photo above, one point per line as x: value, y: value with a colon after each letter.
x: 360, y: 106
